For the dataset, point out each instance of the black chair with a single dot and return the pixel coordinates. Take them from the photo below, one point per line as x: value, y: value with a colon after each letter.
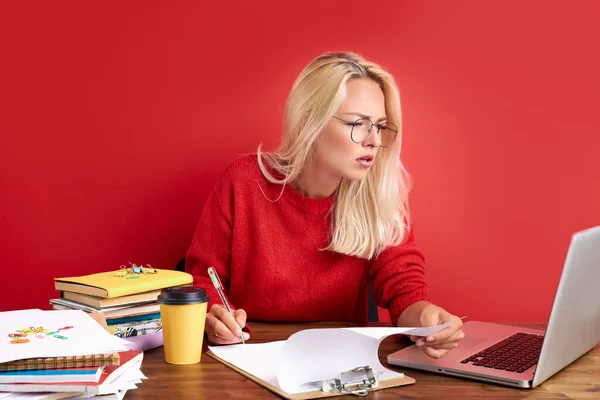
x: 181, y: 265
x: 372, y: 311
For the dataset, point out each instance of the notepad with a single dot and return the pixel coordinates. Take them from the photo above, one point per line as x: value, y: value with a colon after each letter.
x: 296, y: 368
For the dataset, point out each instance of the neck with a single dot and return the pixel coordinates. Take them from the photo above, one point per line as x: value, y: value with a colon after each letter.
x: 316, y: 185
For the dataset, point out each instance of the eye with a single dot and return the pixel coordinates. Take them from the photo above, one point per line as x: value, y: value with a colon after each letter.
x: 389, y: 127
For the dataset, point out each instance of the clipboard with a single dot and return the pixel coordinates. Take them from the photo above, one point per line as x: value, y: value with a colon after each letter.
x: 337, y: 383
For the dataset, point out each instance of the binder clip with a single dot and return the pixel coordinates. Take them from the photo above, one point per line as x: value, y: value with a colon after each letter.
x: 122, y: 271
x: 136, y: 269
x: 357, y: 381
x: 149, y: 270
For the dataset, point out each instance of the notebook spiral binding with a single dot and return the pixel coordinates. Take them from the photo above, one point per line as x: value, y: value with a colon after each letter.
x: 357, y: 381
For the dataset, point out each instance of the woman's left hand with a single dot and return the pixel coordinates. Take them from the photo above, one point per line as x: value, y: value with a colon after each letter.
x: 441, y: 342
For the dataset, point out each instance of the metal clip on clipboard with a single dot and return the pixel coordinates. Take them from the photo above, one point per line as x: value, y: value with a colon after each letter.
x: 357, y: 381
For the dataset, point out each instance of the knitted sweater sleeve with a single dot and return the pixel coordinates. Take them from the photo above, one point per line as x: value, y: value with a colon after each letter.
x: 211, y: 245
x: 398, y: 276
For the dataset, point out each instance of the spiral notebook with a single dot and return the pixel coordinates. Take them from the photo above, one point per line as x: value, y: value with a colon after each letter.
x: 93, y: 360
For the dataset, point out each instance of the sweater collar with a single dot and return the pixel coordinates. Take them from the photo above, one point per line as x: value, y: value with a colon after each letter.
x: 313, y: 206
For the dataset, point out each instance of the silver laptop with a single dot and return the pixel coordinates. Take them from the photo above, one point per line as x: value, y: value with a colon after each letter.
x: 525, y: 358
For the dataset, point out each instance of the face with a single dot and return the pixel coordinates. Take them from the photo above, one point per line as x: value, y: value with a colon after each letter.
x: 337, y: 156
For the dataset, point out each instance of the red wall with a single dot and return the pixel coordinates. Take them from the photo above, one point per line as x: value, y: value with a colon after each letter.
x: 117, y: 119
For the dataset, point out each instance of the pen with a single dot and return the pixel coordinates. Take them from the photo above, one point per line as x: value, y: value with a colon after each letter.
x: 217, y: 282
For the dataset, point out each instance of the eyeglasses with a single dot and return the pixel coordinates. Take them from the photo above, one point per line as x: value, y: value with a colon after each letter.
x: 362, y: 127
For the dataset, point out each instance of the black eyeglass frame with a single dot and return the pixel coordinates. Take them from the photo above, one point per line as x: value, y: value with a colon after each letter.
x: 379, y: 128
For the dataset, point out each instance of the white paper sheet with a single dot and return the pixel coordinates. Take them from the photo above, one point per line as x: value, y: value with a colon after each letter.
x: 259, y: 359
x: 381, y: 333
x: 85, y: 337
x: 317, y: 354
x: 126, y: 380
x: 302, y: 362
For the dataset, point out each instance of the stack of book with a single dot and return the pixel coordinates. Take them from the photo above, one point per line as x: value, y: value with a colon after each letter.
x: 127, y: 298
x: 78, y: 377
x: 63, y: 354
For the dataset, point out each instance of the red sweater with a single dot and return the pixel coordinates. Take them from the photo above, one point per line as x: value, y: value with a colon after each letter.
x: 267, y: 256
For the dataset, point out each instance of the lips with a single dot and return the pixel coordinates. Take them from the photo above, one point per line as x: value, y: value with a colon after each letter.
x: 365, y: 160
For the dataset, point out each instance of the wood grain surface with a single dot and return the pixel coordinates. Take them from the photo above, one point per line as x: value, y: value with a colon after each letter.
x: 211, y: 379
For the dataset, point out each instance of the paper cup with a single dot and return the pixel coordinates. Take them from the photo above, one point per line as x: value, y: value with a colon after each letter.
x: 183, y: 314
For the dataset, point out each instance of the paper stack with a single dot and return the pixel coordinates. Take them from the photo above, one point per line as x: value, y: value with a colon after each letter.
x: 63, y: 355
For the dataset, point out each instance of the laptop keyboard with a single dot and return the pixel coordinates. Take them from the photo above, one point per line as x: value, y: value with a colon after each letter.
x: 517, y: 353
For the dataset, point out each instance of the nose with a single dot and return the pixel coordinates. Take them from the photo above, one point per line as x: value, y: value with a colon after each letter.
x: 374, y: 139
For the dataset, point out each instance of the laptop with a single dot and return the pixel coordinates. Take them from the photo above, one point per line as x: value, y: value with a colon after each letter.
x: 524, y: 358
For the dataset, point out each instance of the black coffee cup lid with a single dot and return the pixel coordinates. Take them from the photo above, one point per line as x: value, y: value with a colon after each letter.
x: 182, y: 295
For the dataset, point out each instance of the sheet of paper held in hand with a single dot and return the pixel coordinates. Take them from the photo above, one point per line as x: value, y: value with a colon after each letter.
x: 57, y: 333
x: 300, y: 363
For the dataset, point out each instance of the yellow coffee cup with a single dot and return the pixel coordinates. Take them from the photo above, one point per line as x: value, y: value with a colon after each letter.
x: 183, y: 314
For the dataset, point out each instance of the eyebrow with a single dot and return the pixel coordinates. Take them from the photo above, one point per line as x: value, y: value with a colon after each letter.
x: 364, y: 116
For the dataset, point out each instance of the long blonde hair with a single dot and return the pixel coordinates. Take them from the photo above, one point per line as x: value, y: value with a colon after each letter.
x: 368, y: 215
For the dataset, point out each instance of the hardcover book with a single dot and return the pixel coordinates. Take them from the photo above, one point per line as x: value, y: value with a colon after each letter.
x: 110, y: 284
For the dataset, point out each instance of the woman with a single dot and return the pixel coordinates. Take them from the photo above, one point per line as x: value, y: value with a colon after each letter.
x: 296, y: 234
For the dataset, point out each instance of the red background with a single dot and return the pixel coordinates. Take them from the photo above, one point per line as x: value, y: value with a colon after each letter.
x: 118, y: 117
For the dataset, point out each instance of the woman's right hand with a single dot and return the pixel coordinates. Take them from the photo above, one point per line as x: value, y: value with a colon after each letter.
x: 225, y: 328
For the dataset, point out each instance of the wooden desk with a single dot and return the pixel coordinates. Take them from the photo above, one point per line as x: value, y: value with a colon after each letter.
x: 211, y: 379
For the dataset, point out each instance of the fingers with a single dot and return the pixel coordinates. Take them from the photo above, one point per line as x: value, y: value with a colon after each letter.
x: 225, y: 318
x: 434, y: 353
x: 222, y: 335
x: 455, y: 338
x: 447, y: 332
x: 223, y: 327
x: 446, y: 345
x: 240, y: 317
x: 440, y: 343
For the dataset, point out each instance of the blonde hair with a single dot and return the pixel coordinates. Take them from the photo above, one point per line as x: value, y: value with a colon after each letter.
x: 368, y: 215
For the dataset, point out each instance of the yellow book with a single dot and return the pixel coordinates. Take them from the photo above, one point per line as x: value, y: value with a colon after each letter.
x: 108, y: 285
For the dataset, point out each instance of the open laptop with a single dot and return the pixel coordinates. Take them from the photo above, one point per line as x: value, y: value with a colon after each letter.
x: 525, y: 358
